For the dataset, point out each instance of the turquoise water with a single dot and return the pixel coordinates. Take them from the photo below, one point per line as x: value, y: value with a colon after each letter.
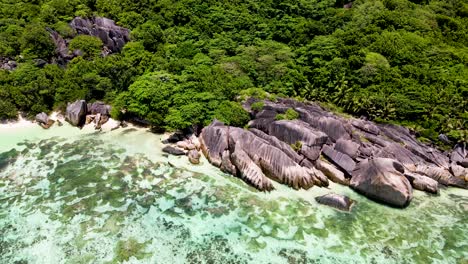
x: 77, y: 196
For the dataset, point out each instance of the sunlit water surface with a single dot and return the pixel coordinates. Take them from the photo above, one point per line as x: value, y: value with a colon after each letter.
x: 77, y: 196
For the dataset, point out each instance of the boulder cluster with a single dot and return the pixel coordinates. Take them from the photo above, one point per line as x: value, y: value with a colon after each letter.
x: 80, y: 113
x: 381, y: 161
x: 112, y: 36
x: 180, y: 144
x: 7, y: 64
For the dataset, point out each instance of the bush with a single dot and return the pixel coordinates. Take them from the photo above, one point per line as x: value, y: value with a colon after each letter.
x: 89, y: 45
x: 290, y: 114
x: 231, y: 113
x: 257, y: 106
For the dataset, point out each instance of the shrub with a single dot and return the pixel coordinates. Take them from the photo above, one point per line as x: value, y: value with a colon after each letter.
x: 257, y: 106
x: 290, y: 114
x: 89, y: 45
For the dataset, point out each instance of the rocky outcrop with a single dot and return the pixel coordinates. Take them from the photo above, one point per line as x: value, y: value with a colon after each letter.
x: 76, y: 113
x: 7, y: 64
x: 383, y: 180
x: 254, y: 159
x: 381, y: 161
x: 337, y: 201
x: 351, y: 140
x: 113, y: 37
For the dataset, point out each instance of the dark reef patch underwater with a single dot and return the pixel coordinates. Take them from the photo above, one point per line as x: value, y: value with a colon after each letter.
x: 112, y: 197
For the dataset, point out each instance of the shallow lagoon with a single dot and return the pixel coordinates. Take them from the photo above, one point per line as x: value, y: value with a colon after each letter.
x: 79, y: 196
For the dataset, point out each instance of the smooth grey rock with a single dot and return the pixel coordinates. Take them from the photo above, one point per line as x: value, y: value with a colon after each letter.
x: 173, y: 151
x: 382, y: 180
x: 337, y: 201
x: 99, y: 108
x: 332, y: 173
x: 441, y: 175
x: 343, y: 161
x: 214, y: 141
x: 194, y: 156
x: 76, y: 113
x: 42, y: 118
x: 459, y: 152
x: 422, y: 183
x: 347, y: 147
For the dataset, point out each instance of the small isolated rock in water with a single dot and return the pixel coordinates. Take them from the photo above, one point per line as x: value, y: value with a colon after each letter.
x: 194, y: 156
x: 59, y: 123
x: 76, y: 113
x: 337, y: 201
x: 383, y: 180
x: 173, y: 151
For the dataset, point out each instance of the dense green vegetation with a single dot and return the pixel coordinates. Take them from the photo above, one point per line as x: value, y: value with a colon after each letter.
x: 390, y: 60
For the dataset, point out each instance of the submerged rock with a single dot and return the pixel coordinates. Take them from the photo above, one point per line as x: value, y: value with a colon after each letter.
x: 173, y: 151
x: 76, y: 113
x: 383, y: 180
x: 337, y: 201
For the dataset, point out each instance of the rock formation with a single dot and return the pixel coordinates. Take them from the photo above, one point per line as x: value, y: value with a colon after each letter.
x: 382, y: 161
x: 112, y: 36
x: 256, y: 159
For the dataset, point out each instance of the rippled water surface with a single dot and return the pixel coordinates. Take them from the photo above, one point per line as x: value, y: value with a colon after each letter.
x: 71, y: 196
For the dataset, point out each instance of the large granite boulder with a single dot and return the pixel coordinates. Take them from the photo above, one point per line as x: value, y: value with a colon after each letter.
x: 332, y: 173
x: 42, y: 118
x: 382, y: 180
x: 422, y: 183
x: 99, y: 108
x: 255, y: 159
x: 343, y: 161
x: 76, y: 113
x: 337, y: 201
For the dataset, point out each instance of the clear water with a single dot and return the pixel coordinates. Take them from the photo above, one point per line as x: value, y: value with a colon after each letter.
x: 76, y: 196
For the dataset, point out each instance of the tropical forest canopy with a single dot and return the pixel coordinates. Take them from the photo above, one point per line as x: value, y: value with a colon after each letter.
x: 189, y: 61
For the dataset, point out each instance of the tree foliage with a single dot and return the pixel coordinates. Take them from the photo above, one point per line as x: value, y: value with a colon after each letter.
x: 190, y: 61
